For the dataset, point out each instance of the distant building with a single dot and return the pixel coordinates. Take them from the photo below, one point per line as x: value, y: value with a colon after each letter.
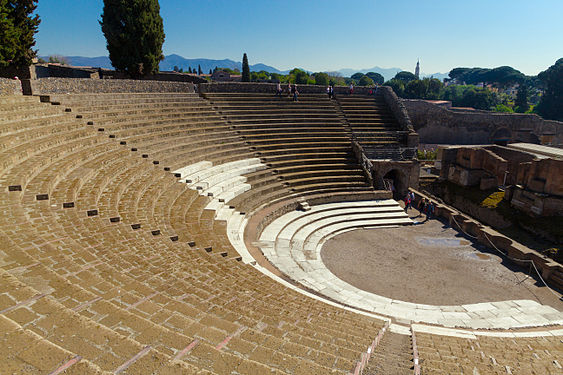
x: 221, y: 75
x: 417, y: 69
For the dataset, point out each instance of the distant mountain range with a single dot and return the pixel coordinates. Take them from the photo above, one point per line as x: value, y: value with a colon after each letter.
x: 173, y: 60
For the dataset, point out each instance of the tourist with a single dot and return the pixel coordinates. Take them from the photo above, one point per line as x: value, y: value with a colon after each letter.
x: 289, y: 89
x: 351, y: 88
x: 407, y: 202
x: 279, y: 90
x: 328, y: 91
x: 430, y: 210
x: 295, y: 93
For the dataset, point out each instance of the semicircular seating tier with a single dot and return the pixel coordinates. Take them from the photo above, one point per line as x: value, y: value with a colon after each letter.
x: 121, y: 216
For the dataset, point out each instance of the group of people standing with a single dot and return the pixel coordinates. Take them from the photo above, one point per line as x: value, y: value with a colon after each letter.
x: 291, y: 90
x: 425, y: 206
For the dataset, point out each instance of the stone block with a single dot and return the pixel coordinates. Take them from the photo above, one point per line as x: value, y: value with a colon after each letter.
x: 487, y: 183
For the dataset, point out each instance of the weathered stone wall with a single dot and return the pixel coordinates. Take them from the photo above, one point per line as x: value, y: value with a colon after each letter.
x: 160, y: 76
x: 10, y: 87
x: 397, y: 108
x: 45, y: 86
x: 63, y: 71
x: 439, y: 125
x: 542, y: 176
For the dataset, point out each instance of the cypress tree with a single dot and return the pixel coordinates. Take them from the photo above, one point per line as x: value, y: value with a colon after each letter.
x: 199, y: 71
x: 210, y: 71
x: 17, y: 32
x: 521, y: 102
x: 245, y: 69
x: 134, y: 33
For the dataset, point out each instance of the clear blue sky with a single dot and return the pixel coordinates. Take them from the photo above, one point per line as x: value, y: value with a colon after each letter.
x: 323, y: 35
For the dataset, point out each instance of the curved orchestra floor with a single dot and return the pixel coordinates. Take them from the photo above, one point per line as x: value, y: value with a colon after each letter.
x: 428, y: 263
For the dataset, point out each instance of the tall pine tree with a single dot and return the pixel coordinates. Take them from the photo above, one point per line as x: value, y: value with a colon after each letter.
x: 199, y: 71
x: 134, y: 33
x: 17, y: 32
x: 245, y: 69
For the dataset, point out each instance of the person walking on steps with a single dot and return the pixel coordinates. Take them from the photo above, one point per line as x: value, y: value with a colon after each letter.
x: 288, y: 89
x: 295, y: 93
x: 351, y: 88
x: 279, y: 90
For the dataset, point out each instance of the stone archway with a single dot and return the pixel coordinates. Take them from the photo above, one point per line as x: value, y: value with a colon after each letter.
x: 394, y: 180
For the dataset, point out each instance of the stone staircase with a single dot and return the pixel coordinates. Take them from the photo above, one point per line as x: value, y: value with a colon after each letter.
x: 305, y: 144
x: 393, y: 356
x: 370, y: 121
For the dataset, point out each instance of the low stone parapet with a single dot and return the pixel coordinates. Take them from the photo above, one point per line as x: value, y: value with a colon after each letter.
x: 270, y: 88
x: 10, y: 86
x: 45, y: 86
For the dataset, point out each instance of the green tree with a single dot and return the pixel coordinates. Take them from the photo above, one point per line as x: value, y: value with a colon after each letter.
x: 190, y: 69
x: 134, y: 34
x: 245, y: 69
x: 57, y: 59
x: 210, y: 72
x: 405, y: 77
x: 176, y: 69
x: 550, y: 106
x: 398, y: 86
x: 199, y: 71
x: 435, y: 88
x: 503, y: 108
x: 321, y: 79
x: 365, y: 81
x: 521, y: 103
x: 416, y: 89
x: 357, y: 76
x: 376, y: 77
x: 478, y: 99
x: 299, y: 76
x: 17, y: 32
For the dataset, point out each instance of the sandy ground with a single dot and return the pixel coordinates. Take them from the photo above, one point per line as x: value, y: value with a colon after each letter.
x: 429, y: 263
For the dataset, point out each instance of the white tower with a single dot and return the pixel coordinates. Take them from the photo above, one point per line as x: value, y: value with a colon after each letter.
x: 417, y: 69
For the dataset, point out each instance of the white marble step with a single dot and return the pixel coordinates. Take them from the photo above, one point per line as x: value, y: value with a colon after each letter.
x: 193, y: 168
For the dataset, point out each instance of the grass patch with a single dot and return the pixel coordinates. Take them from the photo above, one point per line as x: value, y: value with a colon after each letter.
x: 493, y: 200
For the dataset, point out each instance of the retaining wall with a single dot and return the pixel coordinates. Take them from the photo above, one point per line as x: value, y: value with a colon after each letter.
x: 10, y: 86
x: 45, y: 86
x: 439, y: 125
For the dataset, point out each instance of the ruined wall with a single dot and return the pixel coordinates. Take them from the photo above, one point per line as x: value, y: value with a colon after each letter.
x: 10, y: 87
x: 542, y: 176
x: 45, y: 86
x: 439, y: 125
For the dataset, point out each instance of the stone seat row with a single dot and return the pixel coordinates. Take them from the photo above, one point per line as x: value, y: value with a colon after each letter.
x: 64, y: 217
x: 490, y: 355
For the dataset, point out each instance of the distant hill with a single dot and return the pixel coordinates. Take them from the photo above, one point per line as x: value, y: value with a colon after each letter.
x: 173, y: 60
x: 170, y: 62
